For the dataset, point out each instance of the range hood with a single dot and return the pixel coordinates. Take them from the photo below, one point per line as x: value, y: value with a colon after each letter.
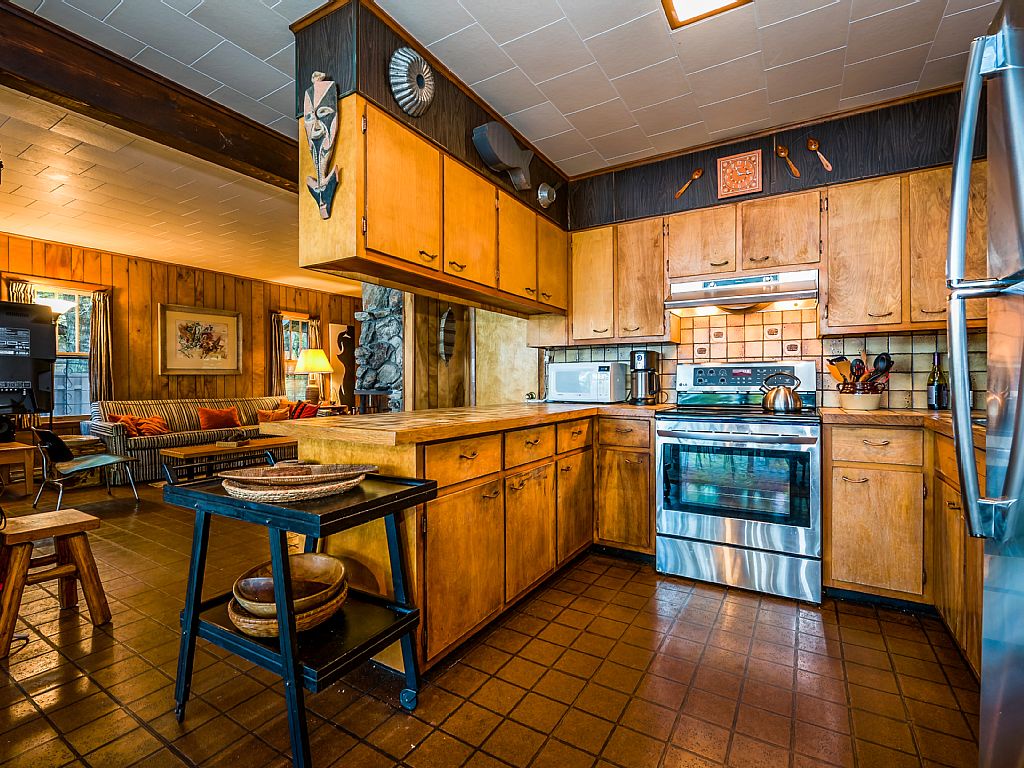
x: 744, y: 293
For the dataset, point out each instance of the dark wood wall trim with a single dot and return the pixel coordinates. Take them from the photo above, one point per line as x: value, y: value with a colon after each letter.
x: 46, y: 61
x: 894, y: 139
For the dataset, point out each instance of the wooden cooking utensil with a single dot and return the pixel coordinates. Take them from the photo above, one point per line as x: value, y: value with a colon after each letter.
x: 812, y: 146
x: 783, y: 152
x: 834, y: 370
x: 844, y: 369
x: 693, y: 177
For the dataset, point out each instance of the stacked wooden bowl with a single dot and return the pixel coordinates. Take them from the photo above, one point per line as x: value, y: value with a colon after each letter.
x: 293, y: 482
x: 319, y: 589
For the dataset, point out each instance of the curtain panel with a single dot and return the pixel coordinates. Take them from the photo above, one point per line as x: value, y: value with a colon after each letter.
x: 275, y: 356
x: 21, y: 292
x: 101, y: 370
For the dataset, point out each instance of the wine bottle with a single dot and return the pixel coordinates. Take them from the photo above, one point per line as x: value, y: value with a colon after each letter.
x: 938, y: 385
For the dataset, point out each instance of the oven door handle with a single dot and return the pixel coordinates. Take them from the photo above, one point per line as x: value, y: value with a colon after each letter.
x: 728, y: 438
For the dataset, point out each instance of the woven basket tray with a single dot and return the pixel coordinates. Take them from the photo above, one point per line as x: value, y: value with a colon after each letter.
x: 296, y: 474
x: 290, y: 493
x: 255, y: 626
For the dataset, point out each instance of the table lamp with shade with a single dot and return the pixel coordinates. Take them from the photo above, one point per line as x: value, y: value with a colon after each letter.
x: 313, y: 361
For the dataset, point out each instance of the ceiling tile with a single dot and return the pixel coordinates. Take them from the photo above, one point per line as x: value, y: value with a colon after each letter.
x: 162, y: 27
x: 806, y: 35
x: 574, y: 166
x: 174, y: 70
x: 862, y: 9
x: 549, y: 52
x: 427, y: 22
x: 539, y: 122
x: 876, y: 97
x: 774, y: 11
x: 564, y: 145
x: 282, y: 100
x: 245, y: 105
x: 591, y: 17
x: 602, y: 118
x: 735, y: 111
x: 685, y: 136
x: 284, y: 60
x: 668, y: 115
x: 805, y: 76
x: 945, y: 71
x: 471, y: 54
x: 633, y: 45
x: 806, y: 106
x: 728, y: 80
x: 884, y: 72
x: 956, y: 32
x: 956, y: 6
x: 578, y: 89
x: 90, y: 131
x: 97, y: 8
x: 509, y: 91
x: 241, y: 70
x: 897, y: 30
x: 31, y: 111
x: 740, y: 131
x: 660, y: 82
x: 248, y: 25
x: 506, y: 21
x: 90, y: 28
x: 718, y: 39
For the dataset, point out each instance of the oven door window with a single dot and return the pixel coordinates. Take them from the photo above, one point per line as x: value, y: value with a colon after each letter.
x: 770, y: 485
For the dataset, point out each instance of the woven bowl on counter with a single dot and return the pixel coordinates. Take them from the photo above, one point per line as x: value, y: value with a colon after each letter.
x: 315, y: 578
x: 257, y: 626
x: 296, y: 474
x: 289, y: 493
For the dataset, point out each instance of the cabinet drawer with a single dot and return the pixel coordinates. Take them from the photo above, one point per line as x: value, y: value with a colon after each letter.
x: 525, y: 445
x: 631, y: 433
x: 457, y: 460
x: 574, y: 434
x: 879, y: 445
x: 945, y: 461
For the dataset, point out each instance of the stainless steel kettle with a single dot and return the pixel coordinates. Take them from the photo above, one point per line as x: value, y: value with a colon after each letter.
x: 781, y: 398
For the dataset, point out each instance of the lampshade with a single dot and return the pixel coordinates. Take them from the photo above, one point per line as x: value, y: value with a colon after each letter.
x: 313, y: 361
x: 59, y: 306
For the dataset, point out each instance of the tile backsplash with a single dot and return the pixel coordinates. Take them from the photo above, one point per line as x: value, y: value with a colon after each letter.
x: 762, y: 336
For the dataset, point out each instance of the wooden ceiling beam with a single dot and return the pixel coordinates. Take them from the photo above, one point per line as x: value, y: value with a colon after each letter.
x: 46, y: 61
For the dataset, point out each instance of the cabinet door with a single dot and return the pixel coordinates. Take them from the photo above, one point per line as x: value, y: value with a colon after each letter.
x: 575, y: 507
x: 624, y: 498
x: 403, y: 192
x: 593, y: 292
x: 640, y: 279
x: 865, y: 282
x: 552, y: 264
x: 780, y: 231
x: 974, y: 584
x: 466, y: 528
x: 701, y: 242
x: 949, y: 559
x: 517, y: 247
x: 929, y: 238
x: 470, y: 225
x: 529, y: 528
x: 878, y: 528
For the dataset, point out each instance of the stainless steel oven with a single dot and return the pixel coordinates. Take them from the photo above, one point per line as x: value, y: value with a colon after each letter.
x: 739, y: 490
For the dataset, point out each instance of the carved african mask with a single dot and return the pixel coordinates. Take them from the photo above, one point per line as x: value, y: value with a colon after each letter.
x: 320, y: 118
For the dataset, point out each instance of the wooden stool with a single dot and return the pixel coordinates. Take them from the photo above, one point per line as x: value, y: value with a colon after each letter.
x: 71, y: 560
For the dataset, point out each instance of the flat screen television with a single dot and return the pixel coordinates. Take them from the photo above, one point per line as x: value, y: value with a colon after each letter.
x: 28, y: 348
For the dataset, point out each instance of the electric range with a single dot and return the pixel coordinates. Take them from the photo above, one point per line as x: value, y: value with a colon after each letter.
x: 739, y: 489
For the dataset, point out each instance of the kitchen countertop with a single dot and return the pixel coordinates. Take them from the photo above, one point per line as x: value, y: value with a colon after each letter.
x: 941, y: 422
x: 410, y: 427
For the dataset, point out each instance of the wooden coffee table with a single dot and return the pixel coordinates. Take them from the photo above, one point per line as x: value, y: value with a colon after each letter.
x: 204, y: 457
x: 17, y: 453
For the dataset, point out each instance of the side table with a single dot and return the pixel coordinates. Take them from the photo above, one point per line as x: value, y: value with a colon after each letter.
x: 17, y: 454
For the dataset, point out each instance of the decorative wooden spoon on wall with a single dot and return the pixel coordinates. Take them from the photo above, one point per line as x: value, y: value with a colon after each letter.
x: 812, y: 146
x: 693, y: 177
x: 783, y: 152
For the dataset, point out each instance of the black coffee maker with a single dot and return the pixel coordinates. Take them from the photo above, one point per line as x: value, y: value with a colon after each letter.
x: 644, y: 378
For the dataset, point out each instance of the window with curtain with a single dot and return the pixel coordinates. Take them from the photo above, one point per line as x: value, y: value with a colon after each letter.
x: 71, y: 396
x: 296, y: 339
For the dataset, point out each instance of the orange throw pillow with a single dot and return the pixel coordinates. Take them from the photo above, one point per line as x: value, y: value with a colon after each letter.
x: 218, y: 418
x: 151, y: 425
x: 278, y: 414
x: 130, y: 426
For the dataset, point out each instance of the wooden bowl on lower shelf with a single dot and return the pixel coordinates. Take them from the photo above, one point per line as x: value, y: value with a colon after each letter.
x: 257, y: 626
x: 316, y: 579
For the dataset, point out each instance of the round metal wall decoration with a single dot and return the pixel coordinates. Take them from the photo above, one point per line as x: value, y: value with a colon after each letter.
x: 412, y: 81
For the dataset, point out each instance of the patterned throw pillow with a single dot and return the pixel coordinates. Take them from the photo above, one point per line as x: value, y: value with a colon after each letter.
x: 218, y: 418
x: 303, y: 410
x: 278, y: 414
x: 151, y: 425
x: 127, y: 421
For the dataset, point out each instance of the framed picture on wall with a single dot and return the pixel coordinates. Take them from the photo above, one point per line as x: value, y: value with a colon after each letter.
x: 196, y: 340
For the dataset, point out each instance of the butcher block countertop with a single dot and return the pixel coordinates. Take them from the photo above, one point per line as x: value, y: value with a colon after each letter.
x: 410, y: 427
x: 940, y: 422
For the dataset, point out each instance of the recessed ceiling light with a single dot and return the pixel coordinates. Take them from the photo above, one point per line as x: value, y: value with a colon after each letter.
x: 683, y: 12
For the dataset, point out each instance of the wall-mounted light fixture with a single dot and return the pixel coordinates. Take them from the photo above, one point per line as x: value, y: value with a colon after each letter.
x: 683, y: 12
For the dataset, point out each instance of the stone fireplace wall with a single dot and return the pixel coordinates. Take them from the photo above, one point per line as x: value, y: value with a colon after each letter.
x: 379, y: 354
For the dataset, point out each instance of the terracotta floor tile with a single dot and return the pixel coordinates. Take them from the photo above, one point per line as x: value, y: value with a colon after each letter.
x: 555, y: 754
x: 559, y: 686
x: 868, y: 726
x: 826, y: 714
x: 819, y: 743
x: 601, y: 701
x: 660, y: 690
x: 936, y: 718
x: 514, y: 743
x: 583, y: 730
x: 649, y: 719
x: 703, y: 738
x: 945, y: 749
x: 400, y: 734
x: 711, y: 707
x: 499, y: 696
x: 539, y: 712
x: 681, y: 758
x: 750, y: 753
x: 521, y: 672
x: 439, y: 750
x: 469, y: 723
x: 764, y: 725
x: 630, y: 749
x: 871, y: 755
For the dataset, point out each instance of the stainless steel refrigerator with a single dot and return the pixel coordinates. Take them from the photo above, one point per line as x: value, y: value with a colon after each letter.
x: 997, y: 60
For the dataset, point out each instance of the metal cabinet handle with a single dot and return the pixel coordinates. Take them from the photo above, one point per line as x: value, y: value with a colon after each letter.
x: 494, y: 495
x: 530, y: 291
x: 533, y: 442
x: 933, y: 311
x: 720, y: 263
x: 758, y: 259
x: 468, y: 457
x: 545, y: 295
x: 456, y: 266
x: 565, y: 469
x: 623, y: 430
x: 952, y: 505
x: 522, y: 484
x: 638, y: 461
x: 851, y: 480
x: 599, y: 330
x: 577, y: 432
x: 876, y: 443
x: 428, y: 256
x: 884, y: 314
x: 630, y: 330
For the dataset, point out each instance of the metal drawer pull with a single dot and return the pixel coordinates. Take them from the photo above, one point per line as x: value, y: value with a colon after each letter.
x: 469, y: 457
x: 759, y: 258
x: 566, y: 469
x: 934, y: 311
x: 456, y: 266
x: 952, y: 505
x: 719, y: 263
x: 577, y: 432
x: 599, y: 330
x: 630, y: 330
x: 876, y: 443
x: 545, y: 295
x: 533, y: 442
x: 494, y: 495
x: 884, y: 314
x: 530, y: 290
x: 428, y: 256
x: 522, y: 484
x: 851, y: 480
x: 638, y: 461
x: 623, y: 430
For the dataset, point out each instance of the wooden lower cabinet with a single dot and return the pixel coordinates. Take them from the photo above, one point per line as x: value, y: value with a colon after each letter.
x: 529, y: 528
x: 623, y: 498
x: 974, y: 588
x: 959, y: 573
x: 574, y: 504
x: 464, y: 528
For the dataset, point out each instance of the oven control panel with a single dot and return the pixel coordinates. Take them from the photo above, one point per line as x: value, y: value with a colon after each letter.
x: 738, y: 377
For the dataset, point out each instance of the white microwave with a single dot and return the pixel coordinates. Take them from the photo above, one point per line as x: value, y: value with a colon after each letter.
x: 586, y: 382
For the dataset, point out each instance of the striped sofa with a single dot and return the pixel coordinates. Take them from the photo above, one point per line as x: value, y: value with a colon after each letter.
x: 182, y: 418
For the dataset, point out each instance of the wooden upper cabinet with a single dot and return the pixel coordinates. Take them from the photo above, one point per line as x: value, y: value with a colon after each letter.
x: 552, y: 264
x: 593, y: 286
x: 403, y: 192
x: 701, y: 242
x: 929, y: 238
x: 470, y: 225
x: 640, y: 279
x: 780, y: 231
x: 517, y: 247
x: 865, y: 285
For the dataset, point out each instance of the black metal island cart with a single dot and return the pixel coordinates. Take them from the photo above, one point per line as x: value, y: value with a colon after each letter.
x: 365, y: 625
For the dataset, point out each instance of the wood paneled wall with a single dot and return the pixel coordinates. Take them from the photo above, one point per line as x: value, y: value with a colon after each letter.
x: 140, y: 286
